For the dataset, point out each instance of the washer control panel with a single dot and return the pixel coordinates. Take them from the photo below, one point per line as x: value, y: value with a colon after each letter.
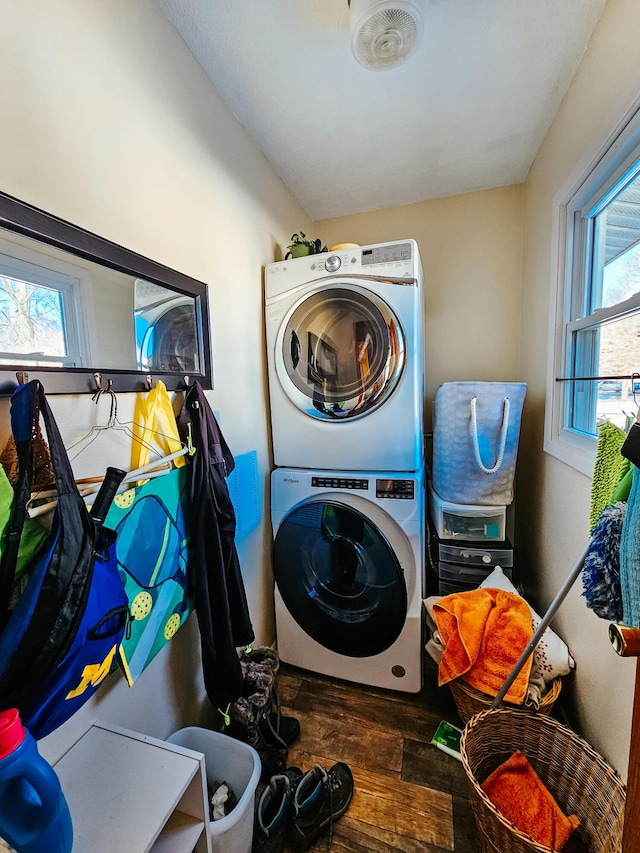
x: 400, y: 490
x: 339, y: 483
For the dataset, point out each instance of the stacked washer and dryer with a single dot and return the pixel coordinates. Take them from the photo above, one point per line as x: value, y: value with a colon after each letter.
x: 345, y: 362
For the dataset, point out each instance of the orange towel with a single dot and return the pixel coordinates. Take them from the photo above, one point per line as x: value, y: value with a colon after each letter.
x: 484, y: 632
x: 520, y: 795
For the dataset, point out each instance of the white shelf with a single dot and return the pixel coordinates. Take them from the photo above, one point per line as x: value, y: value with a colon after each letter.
x: 128, y: 791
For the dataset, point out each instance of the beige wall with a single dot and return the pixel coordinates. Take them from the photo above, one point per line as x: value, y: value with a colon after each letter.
x: 553, y: 499
x: 471, y: 251
x: 111, y: 124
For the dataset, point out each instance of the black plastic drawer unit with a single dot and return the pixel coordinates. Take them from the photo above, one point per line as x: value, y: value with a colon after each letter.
x: 476, y: 554
x: 465, y: 566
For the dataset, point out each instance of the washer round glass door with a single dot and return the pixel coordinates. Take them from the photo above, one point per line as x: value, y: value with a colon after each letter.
x: 340, y: 579
x: 343, y: 352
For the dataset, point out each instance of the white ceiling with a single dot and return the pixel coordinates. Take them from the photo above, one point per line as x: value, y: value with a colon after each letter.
x: 468, y: 111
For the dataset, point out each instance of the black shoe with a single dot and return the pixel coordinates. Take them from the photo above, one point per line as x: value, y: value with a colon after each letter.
x: 321, y: 798
x: 273, y: 814
x: 273, y: 758
x: 278, y: 730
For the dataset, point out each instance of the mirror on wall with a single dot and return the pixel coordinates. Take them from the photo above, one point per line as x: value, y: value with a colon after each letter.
x: 78, y: 311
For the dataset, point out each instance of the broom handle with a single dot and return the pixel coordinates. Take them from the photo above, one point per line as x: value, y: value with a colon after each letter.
x: 631, y: 831
x: 542, y: 627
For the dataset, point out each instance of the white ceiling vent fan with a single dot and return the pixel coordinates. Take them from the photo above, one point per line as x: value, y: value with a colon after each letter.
x: 384, y: 33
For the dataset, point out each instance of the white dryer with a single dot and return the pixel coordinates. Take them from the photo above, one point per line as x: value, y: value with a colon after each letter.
x: 348, y: 560
x: 345, y: 359
x: 166, y: 327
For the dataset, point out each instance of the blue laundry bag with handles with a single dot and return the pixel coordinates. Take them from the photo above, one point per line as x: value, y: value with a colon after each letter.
x: 58, y: 642
x: 476, y: 431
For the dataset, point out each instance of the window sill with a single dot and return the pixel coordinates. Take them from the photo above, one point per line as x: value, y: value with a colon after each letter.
x: 577, y: 451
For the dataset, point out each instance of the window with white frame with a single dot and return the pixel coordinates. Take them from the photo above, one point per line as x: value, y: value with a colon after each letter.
x: 39, y: 315
x: 597, y: 309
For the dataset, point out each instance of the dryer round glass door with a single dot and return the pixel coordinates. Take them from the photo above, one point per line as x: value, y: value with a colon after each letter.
x: 168, y: 342
x: 343, y: 352
x: 340, y: 579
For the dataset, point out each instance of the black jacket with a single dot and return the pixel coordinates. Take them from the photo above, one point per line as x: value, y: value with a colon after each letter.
x: 214, y: 568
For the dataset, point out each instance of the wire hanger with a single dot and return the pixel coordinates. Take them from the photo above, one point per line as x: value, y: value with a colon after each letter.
x: 88, y: 485
x: 113, y: 423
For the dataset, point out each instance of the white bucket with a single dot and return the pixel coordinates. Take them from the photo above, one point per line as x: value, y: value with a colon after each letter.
x: 238, y: 764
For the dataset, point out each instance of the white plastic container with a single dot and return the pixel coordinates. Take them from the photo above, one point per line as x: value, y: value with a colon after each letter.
x: 238, y: 764
x: 467, y: 522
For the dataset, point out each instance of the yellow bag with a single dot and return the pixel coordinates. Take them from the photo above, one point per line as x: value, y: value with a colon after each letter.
x: 154, y: 422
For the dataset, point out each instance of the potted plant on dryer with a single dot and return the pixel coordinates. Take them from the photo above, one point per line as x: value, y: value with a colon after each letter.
x: 301, y: 246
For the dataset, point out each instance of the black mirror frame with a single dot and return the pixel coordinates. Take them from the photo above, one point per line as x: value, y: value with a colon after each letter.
x: 22, y: 218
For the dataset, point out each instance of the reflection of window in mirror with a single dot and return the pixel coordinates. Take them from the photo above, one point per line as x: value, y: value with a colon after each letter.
x: 45, y: 304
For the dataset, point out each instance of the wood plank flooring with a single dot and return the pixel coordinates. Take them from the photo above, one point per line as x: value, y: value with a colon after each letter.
x: 409, y: 796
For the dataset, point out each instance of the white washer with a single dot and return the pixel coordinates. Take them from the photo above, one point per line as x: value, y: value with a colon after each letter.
x: 345, y: 359
x: 348, y: 560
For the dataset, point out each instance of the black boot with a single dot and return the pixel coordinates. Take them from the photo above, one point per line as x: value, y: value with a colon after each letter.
x: 255, y: 715
x: 260, y: 668
x: 321, y: 798
x: 277, y: 729
x: 273, y: 814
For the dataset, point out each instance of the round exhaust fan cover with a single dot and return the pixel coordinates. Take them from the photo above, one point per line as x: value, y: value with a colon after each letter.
x: 384, y: 34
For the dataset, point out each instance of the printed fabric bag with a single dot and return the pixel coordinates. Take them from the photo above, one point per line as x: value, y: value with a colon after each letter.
x: 476, y: 430
x: 60, y: 638
x: 152, y: 542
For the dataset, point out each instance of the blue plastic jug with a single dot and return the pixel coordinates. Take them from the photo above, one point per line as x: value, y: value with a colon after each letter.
x: 34, y: 816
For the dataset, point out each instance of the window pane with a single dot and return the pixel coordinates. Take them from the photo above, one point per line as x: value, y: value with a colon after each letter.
x: 616, y: 251
x: 31, y: 318
x: 615, y: 351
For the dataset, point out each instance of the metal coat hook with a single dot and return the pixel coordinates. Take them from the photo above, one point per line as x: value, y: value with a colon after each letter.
x: 148, y: 382
x: 97, y: 378
x: 22, y: 376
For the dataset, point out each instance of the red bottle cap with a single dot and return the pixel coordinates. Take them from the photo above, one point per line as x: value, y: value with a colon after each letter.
x: 12, y: 732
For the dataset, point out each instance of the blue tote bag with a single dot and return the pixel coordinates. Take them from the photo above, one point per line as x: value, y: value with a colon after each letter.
x: 476, y: 431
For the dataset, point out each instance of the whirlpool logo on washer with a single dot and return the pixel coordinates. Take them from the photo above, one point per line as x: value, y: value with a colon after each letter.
x: 290, y: 480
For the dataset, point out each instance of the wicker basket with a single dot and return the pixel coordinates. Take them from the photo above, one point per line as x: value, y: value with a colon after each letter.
x: 470, y: 701
x: 580, y: 780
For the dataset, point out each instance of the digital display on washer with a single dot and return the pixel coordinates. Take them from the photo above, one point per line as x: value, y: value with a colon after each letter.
x: 339, y: 483
x: 386, y: 254
x: 402, y: 490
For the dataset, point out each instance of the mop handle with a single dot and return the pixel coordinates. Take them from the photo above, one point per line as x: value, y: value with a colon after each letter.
x: 542, y: 627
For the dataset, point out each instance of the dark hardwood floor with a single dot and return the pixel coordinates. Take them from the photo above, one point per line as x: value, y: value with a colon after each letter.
x: 409, y: 796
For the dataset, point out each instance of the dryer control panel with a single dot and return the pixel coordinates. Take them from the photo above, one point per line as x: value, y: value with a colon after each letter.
x: 395, y: 489
x: 387, y: 253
